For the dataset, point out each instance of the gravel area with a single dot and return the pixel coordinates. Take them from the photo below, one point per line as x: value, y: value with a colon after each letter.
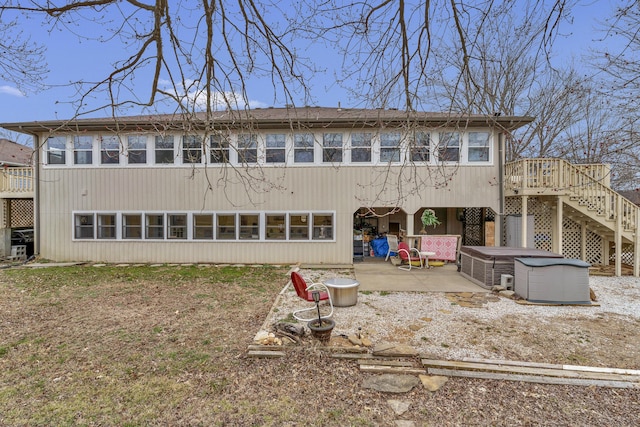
x: 604, y: 334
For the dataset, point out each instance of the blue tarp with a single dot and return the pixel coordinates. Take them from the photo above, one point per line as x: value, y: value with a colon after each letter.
x: 380, y: 246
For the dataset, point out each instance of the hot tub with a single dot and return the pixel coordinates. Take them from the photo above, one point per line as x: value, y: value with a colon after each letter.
x: 484, y: 265
x: 344, y: 291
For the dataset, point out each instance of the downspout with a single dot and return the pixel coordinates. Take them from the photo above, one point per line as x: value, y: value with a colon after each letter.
x: 501, y: 185
x: 36, y: 191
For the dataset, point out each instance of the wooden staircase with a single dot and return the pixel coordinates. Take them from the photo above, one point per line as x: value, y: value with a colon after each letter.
x: 586, y: 193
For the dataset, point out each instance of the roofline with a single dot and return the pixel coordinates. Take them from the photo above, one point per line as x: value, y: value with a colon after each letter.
x: 295, y: 118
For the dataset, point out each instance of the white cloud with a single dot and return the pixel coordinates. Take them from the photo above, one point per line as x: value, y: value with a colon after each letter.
x: 195, y: 96
x: 11, y: 91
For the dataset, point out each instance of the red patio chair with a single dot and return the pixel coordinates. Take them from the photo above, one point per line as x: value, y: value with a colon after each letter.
x: 407, y: 256
x: 305, y: 291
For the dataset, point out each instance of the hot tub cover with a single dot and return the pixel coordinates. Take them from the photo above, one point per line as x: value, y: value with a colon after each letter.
x: 546, y: 262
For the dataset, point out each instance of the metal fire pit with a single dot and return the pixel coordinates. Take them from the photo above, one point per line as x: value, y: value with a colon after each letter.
x: 344, y: 292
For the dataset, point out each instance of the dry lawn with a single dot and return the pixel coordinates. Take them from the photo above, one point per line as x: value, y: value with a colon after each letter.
x: 139, y: 346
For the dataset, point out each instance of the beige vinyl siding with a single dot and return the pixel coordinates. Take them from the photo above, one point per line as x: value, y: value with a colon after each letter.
x: 185, y: 189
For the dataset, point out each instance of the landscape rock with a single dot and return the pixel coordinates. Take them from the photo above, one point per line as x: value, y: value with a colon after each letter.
x: 395, y: 350
x: 391, y: 383
x: 507, y: 294
x: 433, y: 382
x: 399, y: 406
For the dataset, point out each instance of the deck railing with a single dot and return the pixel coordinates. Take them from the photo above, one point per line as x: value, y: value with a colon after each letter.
x: 16, y: 180
x: 588, y: 184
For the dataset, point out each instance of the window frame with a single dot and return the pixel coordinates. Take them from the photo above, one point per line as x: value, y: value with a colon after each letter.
x: 275, y: 146
x: 330, y: 145
x: 247, y: 148
x: 62, y: 152
x: 418, y: 150
x: 100, y: 226
x: 164, y: 150
x: 137, y: 151
x: 80, y: 147
x: 390, y: 145
x: 363, y: 146
x: 219, y: 147
x: 471, y: 148
x: 80, y: 228
x: 444, y: 147
x: 125, y: 227
x: 302, y: 147
x: 191, y: 150
x: 110, y: 146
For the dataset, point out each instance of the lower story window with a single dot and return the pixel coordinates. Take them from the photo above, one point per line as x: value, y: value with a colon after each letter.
x: 132, y: 226
x: 322, y: 226
x: 276, y: 227
x: 203, y: 227
x: 226, y: 227
x: 238, y: 226
x: 177, y: 227
x: 154, y: 226
x: 249, y: 227
x: 84, y: 226
x: 107, y: 226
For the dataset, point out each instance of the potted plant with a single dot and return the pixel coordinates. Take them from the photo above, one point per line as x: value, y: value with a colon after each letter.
x: 428, y: 218
x: 321, y: 327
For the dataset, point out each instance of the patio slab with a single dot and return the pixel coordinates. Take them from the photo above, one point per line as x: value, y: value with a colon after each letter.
x: 376, y: 274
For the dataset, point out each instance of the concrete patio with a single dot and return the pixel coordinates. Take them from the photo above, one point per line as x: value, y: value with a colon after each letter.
x: 376, y: 274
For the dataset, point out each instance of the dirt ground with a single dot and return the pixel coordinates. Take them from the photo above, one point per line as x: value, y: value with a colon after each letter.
x: 168, y: 346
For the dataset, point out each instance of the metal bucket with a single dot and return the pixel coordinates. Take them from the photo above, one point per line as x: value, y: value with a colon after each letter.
x: 344, y: 292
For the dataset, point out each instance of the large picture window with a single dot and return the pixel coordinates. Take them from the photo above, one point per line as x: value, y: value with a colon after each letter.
x: 82, y: 150
x: 56, y: 150
x: 361, y: 147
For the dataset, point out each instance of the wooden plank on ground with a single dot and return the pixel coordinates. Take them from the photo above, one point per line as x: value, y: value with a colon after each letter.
x: 528, y: 370
x: 354, y: 356
x: 391, y: 369
x: 382, y: 362
x: 553, y: 366
x: 533, y: 378
x: 266, y: 354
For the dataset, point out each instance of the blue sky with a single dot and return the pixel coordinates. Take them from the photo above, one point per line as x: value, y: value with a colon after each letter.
x: 69, y: 59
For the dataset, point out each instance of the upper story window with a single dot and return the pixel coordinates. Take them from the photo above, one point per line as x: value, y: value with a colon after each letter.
x: 449, y: 147
x: 247, y: 148
x: 137, y: 149
x: 219, y: 148
x: 191, y: 149
x: 390, y: 147
x: 82, y: 150
x: 303, y: 148
x: 332, y: 148
x: 361, y: 147
x: 478, y: 147
x: 420, y: 148
x: 164, y: 149
x: 56, y: 150
x: 276, y: 145
x: 110, y: 149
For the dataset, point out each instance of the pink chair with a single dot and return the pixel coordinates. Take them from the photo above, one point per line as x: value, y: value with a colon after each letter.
x: 305, y: 291
x: 407, y: 256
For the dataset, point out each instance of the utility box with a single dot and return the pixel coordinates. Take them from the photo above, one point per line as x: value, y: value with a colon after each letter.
x: 513, y: 231
x: 552, y: 280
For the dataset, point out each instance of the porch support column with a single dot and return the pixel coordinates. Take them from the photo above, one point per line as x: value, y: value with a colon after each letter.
x: 410, y: 231
x: 523, y: 209
x: 618, y: 237
x: 557, y: 247
x: 636, y: 247
x: 605, y: 251
x: 583, y: 240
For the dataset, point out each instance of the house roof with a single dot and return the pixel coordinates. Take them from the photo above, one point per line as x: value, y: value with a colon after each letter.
x: 12, y: 154
x: 272, y: 118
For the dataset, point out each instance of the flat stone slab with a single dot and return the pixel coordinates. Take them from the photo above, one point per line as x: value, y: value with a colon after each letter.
x: 399, y: 406
x: 394, y: 350
x: 391, y: 383
x: 433, y: 382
